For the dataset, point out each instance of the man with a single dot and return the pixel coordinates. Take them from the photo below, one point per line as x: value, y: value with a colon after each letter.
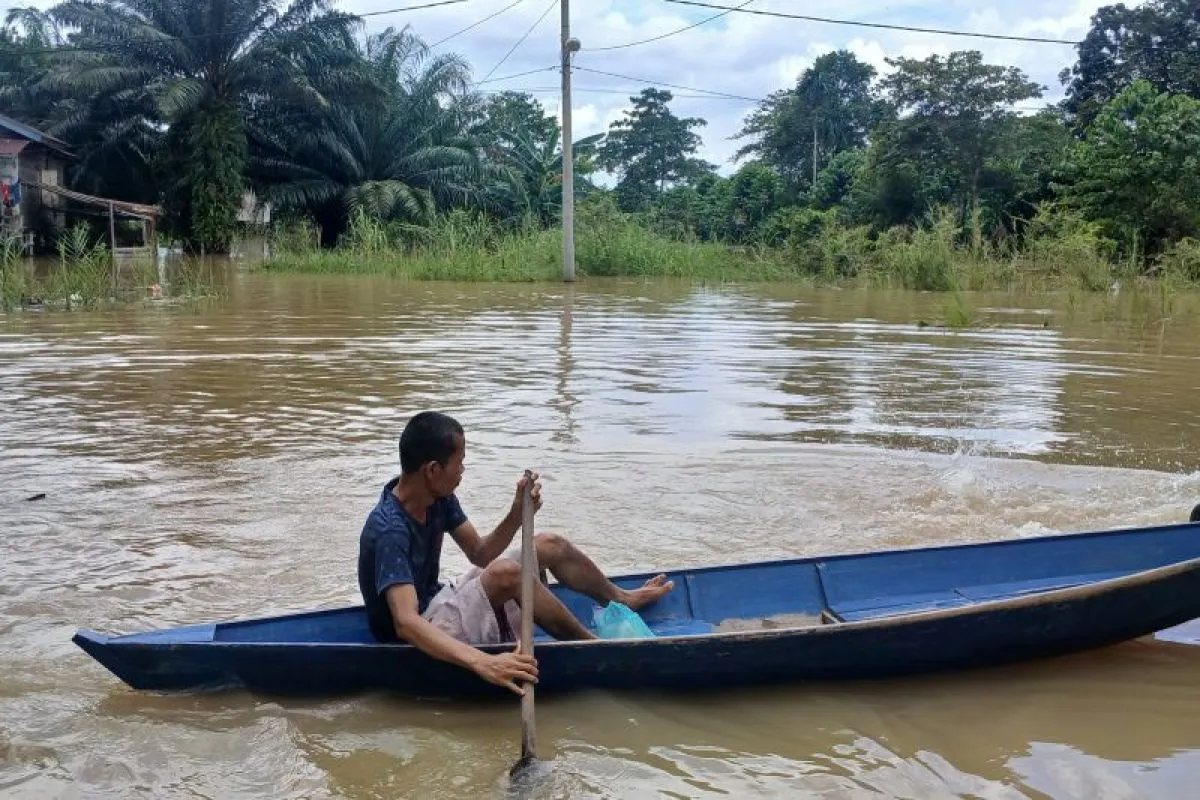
x: 399, y: 556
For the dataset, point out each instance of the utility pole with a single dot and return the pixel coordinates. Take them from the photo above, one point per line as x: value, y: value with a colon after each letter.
x: 569, y: 46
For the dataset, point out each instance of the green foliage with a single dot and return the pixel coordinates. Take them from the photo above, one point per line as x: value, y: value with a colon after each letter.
x: 1060, y: 244
x: 193, y: 69
x: 1137, y: 171
x: 294, y: 234
x: 508, y: 117
x: 834, y: 182
x: 651, y: 149
x: 397, y: 149
x: 963, y: 105
x: 1180, y: 263
x: 377, y: 147
x: 1156, y: 41
x: 13, y: 280
x: 927, y: 262
x: 831, y: 109
x: 202, y: 168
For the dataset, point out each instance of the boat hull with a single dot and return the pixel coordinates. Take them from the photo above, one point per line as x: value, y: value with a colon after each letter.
x: 919, y: 632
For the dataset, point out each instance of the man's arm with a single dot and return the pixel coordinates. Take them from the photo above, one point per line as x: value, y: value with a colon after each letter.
x: 483, y: 550
x: 502, y: 669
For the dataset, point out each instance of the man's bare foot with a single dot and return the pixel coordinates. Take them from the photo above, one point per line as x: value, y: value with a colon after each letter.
x: 654, y: 589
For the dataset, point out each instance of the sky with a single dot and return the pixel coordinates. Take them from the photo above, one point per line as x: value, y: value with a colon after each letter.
x: 738, y: 54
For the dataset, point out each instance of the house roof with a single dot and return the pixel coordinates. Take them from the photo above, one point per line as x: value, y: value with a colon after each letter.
x: 29, y: 133
x: 122, y: 207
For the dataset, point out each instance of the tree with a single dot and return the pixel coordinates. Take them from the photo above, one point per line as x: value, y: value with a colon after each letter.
x: 1137, y: 171
x: 831, y: 109
x: 399, y: 151
x: 1157, y: 42
x: 195, y: 69
x: 27, y: 39
x: 965, y: 104
x: 907, y: 170
x: 508, y: 116
x: 531, y: 175
x: 522, y: 141
x: 835, y: 181
x: 1021, y: 175
x: 651, y: 149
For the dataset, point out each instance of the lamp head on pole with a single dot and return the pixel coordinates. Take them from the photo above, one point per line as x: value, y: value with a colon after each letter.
x: 572, y: 45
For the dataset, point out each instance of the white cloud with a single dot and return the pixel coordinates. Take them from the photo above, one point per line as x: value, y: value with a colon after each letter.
x: 741, y: 54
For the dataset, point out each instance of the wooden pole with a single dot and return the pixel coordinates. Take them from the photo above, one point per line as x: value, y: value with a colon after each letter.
x: 528, y: 578
x: 568, y: 156
x: 112, y: 243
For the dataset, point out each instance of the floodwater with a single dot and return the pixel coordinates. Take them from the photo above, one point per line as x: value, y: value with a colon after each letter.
x: 211, y: 462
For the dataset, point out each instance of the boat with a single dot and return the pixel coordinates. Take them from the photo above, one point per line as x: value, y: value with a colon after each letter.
x: 852, y: 616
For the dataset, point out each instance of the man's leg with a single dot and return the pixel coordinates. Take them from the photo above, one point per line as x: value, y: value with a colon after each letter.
x: 502, y: 582
x: 576, y: 571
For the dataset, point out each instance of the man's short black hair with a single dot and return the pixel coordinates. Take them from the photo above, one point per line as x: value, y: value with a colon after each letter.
x: 429, y: 436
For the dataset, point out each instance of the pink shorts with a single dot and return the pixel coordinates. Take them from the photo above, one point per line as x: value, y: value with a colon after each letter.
x: 462, y: 609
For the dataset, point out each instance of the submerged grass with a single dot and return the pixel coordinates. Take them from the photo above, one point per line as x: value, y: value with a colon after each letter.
x: 461, y: 246
x: 84, y: 276
x: 466, y: 247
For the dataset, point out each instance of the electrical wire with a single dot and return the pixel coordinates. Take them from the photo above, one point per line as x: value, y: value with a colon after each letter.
x: 198, y: 36
x: 516, y: 75
x: 410, y: 8
x: 599, y: 90
x: 660, y: 37
x: 536, y: 22
x: 726, y: 95
x: 474, y: 25
x: 906, y: 28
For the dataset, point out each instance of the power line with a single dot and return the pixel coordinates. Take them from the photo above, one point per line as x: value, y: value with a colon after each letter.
x: 726, y: 95
x: 536, y: 22
x: 515, y: 75
x: 474, y: 25
x: 410, y: 8
x: 197, y: 36
x: 907, y: 28
x: 599, y: 90
x: 704, y: 21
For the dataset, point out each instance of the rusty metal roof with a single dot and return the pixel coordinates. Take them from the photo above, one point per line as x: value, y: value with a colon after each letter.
x: 32, y: 134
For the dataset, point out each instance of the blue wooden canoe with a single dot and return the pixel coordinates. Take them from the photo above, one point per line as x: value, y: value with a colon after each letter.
x: 864, y: 615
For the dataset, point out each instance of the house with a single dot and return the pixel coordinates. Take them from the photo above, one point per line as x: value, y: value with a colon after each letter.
x: 33, y: 194
x: 28, y: 157
x: 254, y: 213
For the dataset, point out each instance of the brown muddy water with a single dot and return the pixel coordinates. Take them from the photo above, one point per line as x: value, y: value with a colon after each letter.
x: 210, y: 462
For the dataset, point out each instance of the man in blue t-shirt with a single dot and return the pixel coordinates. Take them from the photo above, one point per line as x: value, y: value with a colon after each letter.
x: 399, y: 553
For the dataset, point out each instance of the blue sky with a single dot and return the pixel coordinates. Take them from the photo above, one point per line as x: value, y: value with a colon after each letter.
x: 739, y: 54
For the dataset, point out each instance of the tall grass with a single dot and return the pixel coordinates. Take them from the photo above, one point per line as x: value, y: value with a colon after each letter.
x: 467, y: 246
x: 84, y: 275
x: 1059, y: 252
x: 13, y: 281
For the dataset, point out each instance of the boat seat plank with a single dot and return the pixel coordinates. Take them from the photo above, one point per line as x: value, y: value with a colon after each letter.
x: 997, y: 591
x: 721, y: 594
x: 896, y: 606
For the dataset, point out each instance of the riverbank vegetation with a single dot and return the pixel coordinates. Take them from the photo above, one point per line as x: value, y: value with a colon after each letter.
x: 83, y: 275
x: 380, y: 155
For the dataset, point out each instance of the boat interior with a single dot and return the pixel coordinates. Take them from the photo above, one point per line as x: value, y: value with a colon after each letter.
x: 808, y: 592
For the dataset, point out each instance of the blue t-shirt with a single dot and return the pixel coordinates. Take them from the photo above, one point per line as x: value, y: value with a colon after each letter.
x: 396, y: 549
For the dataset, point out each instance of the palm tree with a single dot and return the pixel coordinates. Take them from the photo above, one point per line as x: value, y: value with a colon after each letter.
x: 194, y: 69
x: 399, y: 152
x: 530, y: 174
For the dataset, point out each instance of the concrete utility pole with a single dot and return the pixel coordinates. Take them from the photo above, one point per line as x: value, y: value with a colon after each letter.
x: 569, y: 46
